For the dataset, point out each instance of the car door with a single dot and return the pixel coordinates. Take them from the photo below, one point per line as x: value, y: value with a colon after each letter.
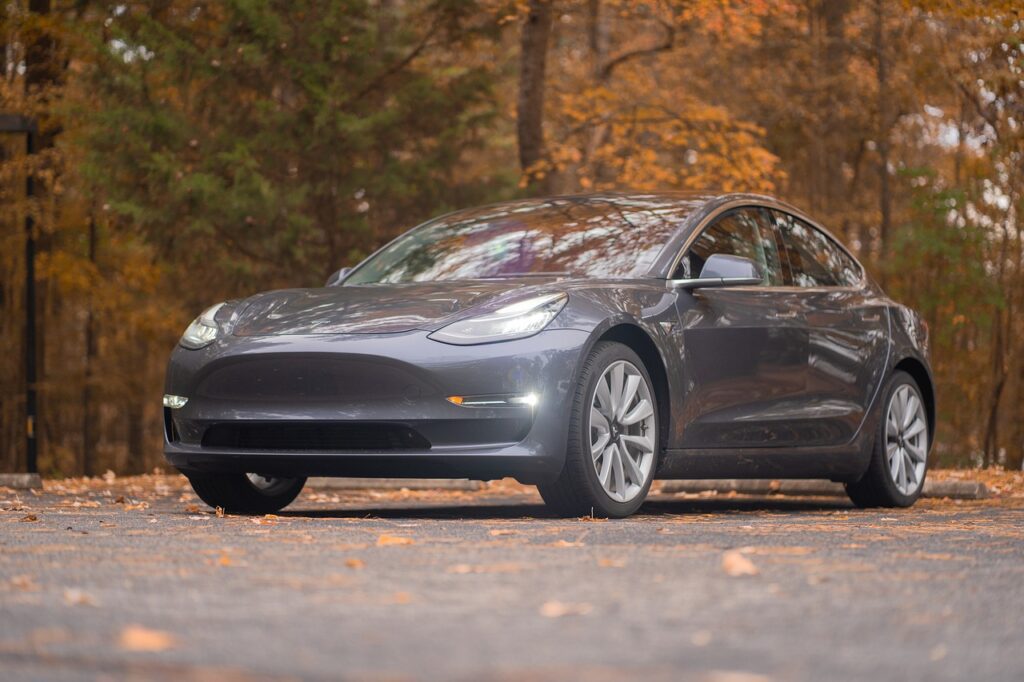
x: 744, y: 349
x: 847, y: 329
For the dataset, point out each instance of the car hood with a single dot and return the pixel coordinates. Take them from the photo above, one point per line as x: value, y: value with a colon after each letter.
x: 373, y: 309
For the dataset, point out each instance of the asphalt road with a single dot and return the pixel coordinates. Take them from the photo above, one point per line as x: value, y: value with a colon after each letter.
x: 482, y: 586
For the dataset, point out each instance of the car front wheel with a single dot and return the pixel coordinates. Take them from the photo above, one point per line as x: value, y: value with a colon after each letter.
x: 246, y: 493
x: 612, y: 450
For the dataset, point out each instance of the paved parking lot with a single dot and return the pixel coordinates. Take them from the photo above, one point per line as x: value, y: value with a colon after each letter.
x: 135, y: 579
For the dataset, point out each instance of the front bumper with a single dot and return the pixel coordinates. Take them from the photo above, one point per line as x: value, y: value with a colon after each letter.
x: 380, y: 381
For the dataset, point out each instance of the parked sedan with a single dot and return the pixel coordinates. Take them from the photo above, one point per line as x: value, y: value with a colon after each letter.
x: 584, y: 344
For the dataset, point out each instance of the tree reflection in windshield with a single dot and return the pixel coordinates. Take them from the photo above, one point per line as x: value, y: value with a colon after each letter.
x: 604, y: 236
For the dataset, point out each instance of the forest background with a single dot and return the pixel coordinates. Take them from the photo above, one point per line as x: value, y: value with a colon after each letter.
x: 191, y: 152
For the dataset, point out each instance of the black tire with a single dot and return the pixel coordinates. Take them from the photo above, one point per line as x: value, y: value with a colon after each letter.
x: 877, y: 487
x: 237, y: 494
x: 577, y: 491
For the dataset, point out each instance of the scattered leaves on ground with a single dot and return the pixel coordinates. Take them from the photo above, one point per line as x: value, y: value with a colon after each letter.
x: 566, y: 543
x: 139, y: 638
x: 24, y: 583
x: 506, y: 567
x: 558, y: 609
x: 74, y: 596
x: 736, y: 565
x: 393, y: 540
x: 30, y: 518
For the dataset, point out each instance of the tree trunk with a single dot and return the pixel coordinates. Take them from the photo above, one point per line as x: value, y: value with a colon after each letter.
x: 884, y: 123
x: 89, y: 426
x: 536, y: 33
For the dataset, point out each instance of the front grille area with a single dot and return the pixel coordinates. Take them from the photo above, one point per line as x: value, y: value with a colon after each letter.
x: 315, y: 436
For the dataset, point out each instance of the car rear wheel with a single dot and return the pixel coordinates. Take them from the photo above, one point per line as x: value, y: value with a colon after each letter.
x: 246, y: 493
x: 612, y: 450
x: 899, y: 460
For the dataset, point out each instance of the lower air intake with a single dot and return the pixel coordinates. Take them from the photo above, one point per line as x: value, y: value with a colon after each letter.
x: 303, y: 436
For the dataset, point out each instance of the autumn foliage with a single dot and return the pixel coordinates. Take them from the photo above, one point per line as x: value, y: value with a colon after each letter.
x: 198, y: 151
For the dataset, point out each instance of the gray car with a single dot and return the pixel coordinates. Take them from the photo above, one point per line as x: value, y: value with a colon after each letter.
x: 584, y: 344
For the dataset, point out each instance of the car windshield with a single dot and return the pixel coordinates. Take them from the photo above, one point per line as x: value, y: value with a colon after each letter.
x: 605, y: 237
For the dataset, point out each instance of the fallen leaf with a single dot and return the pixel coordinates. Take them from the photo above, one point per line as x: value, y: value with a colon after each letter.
x: 558, y: 609
x: 220, y: 512
x: 119, y: 500
x: 390, y: 540
x: 29, y: 519
x: 736, y: 565
x: 401, y: 598
x: 192, y: 508
x: 354, y: 563
x: 139, y: 638
x: 566, y: 543
x: 502, y: 531
x: 25, y: 583
x: 464, y: 569
x: 76, y: 597
x: 591, y: 519
x: 224, y: 560
x: 611, y: 563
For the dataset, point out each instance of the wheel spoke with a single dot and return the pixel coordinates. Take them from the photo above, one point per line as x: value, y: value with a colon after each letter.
x: 643, y: 443
x: 891, y: 427
x: 643, y: 410
x: 616, y: 377
x: 894, y: 466
x: 631, y: 467
x: 896, y: 409
x: 598, y: 421
x: 604, y: 475
x: 902, y: 482
x: 628, y: 393
x: 599, y: 445
x: 915, y: 428
x: 912, y: 405
x: 916, y: 452
x: 603, y: 398
x: 909, y: 471
x: 620, y: 475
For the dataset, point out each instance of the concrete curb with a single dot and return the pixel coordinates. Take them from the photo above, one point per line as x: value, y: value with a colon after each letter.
x: 960, y: 490
x: 394, y: 483
x: 21, y: 481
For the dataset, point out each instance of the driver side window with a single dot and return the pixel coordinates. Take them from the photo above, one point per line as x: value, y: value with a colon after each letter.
x: 744, y: 232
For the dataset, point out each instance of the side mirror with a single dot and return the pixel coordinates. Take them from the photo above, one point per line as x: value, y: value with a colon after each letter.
x: 335, y: 279
x: 721, y: 270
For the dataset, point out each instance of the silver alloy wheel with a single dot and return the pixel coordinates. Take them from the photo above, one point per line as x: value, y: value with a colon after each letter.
x: 266, y: 484
x: 622, y: 431
x: 906, y: 439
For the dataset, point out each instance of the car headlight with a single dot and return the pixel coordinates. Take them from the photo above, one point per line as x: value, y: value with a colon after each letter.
x: 515, y: 321
x: 203, y: 331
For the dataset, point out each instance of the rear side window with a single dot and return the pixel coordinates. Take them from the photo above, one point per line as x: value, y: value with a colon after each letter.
x: 814, y: 259
x: 743, y: 232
